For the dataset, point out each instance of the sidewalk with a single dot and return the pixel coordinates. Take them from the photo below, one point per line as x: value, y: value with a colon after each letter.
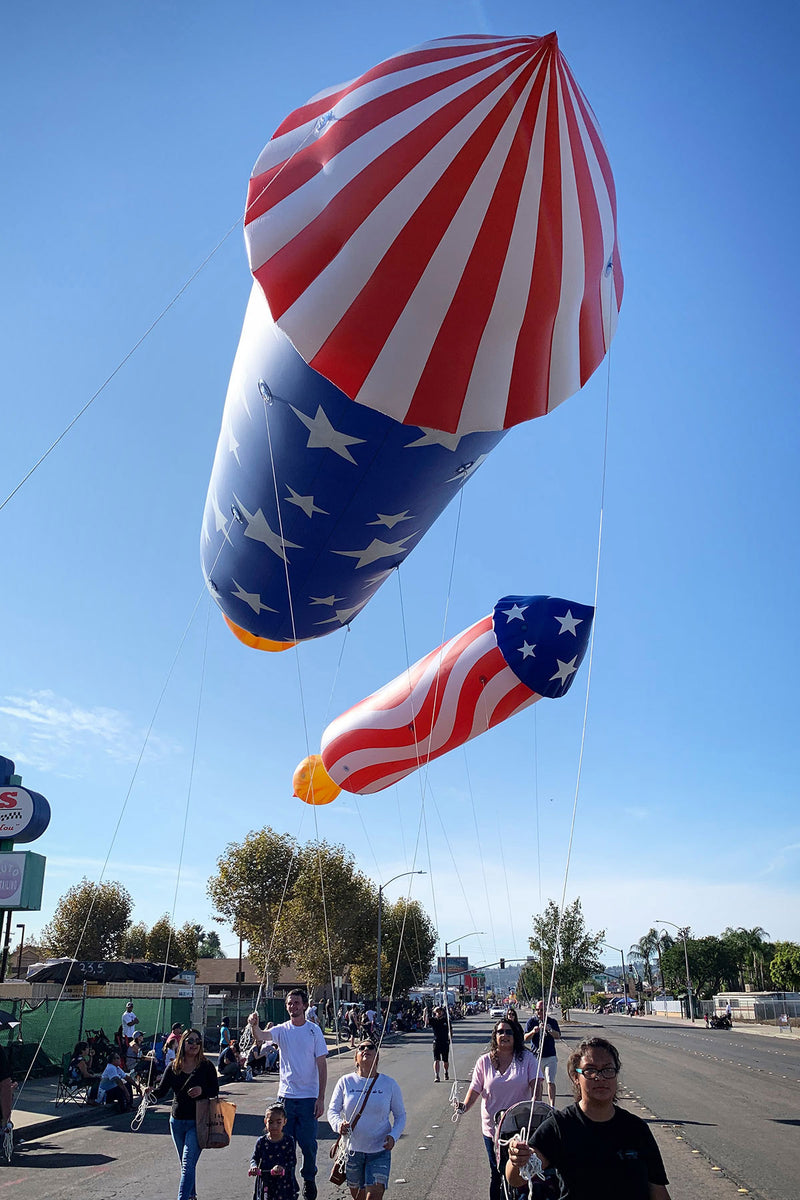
x: 35, y: 1113
x: 699, y: 1023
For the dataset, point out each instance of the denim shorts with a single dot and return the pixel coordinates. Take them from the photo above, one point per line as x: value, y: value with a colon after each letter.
x: 364, y: 1169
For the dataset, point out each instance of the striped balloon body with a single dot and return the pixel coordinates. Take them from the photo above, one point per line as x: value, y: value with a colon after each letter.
x: 494, y: 669
x: 438, y: 237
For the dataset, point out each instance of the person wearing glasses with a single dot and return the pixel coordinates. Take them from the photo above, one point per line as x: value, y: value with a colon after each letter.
x: 190, y: 1077
x: 368, y: 1107
x: 600, y: 1151
x: 504, y: 1076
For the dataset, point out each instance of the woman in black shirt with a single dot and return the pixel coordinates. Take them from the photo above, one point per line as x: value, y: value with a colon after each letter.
x: 190, y: 1077
x: 600, y: 1151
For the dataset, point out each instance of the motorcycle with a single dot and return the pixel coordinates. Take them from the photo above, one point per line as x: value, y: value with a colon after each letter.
x: 723, y: 1022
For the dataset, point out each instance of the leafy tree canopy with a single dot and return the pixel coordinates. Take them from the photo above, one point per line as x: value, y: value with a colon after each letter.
x: 574, y: 949
x: 89, y: 922
x: 785, y: 966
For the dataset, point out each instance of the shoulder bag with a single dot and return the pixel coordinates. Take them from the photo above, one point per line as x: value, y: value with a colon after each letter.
x: 338, y: 1174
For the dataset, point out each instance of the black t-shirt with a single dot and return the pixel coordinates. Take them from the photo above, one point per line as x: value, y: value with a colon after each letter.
x: 600, y: 1160
x: 441, y: 1031
x: 179, y: 1083
x: 549, y: 1040
x: 5, y: 1073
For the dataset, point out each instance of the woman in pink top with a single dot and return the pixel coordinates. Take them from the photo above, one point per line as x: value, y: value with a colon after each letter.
x: 504, y: 1076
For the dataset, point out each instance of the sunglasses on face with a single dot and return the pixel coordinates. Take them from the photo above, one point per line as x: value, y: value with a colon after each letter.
x: 504, y: 1032
x: 597, y: 1072
x: 192, y: 1042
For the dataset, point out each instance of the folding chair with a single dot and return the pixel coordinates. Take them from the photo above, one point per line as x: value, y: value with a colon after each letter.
x: 69, y: 1090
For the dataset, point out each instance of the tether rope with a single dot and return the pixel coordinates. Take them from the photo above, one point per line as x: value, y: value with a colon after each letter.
x: 158, y: 319
x: 101, y: 876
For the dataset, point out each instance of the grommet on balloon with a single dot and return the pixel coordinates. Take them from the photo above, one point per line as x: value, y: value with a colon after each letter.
x: 311, y: 782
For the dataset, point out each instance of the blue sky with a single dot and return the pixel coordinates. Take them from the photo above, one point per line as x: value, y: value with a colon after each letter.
x: 129, y: 135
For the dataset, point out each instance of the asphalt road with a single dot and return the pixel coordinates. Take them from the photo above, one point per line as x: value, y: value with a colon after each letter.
x: 734, y: 1099
x: 735, y: 1096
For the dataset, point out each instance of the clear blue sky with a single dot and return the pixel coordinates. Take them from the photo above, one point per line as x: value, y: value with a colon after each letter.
x: 129, y: 133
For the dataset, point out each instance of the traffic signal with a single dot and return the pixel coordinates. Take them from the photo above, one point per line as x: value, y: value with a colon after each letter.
x: 502, y: 964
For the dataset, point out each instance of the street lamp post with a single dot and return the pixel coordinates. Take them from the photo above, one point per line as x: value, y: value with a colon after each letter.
x: 682, y: 932
x: 475, y: 933
x: 624, y: 980
x: 380, y: 914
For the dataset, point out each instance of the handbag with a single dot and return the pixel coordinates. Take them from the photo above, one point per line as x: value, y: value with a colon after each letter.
x: 338, y: 1174
x: 214, y: 1121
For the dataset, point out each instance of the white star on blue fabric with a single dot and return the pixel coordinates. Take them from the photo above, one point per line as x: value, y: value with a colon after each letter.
x: 564, y: 670
x: 527, y: 651
x: 463, y: 475
x: 375, y: 550
x: 515, y: 612
x: 569, y: 623
x: 329, y: 600
x: 259, y: 529
x: 435, y: 437
x: 251, y: 598
x: 391, y: 519
x: 322, y: 435
x: 305, y: 502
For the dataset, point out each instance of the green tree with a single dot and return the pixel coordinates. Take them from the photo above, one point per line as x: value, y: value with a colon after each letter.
x: 645, y: 950
x: 331, y: 914
x: 89, y: 922
x: 252, y: 881
x: 209, y: 947
x: 134, y: 941
x: 752, y: 951
x: 573, y: 948
x: 408, y: 942
x: 785, y: 966
x: 712, y: 966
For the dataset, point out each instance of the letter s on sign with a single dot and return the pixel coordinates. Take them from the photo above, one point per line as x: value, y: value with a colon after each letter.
x: 8, y: 799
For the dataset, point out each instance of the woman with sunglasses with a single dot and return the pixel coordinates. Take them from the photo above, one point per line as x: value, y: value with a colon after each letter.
x: 600, y: 1151
x: 190, y: 1077
x: 504, y: 1076
x: 361, y: 1106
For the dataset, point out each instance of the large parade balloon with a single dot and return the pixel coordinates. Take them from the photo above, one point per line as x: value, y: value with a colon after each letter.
x: 527, y: 648
x: 435, y: 253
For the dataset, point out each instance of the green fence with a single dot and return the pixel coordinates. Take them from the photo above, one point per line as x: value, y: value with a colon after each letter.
x: 56, y: 1024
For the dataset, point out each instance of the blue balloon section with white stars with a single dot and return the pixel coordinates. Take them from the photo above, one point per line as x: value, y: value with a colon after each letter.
x: 543, y: 640
x: 356, y: 491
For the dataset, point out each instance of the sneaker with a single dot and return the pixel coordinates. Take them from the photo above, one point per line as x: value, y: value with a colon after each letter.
x: 309, y: 1189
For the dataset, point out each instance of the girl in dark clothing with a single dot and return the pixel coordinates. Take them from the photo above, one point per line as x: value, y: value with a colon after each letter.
x: 190, y: 1077
x: 274, y: 1159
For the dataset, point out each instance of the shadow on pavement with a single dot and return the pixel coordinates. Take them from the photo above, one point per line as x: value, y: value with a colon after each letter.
x: 28, y: 1155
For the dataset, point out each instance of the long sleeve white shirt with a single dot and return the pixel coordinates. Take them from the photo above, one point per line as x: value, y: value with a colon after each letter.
x: 385, y: 1101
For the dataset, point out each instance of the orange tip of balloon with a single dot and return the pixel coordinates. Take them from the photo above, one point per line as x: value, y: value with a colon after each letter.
x: 256, y: 643
x: 311, y: 782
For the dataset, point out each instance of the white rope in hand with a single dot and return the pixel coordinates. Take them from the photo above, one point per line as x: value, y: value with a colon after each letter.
x: 146, y: 1102
x: 456, y: 1103
x: 8, y: 1141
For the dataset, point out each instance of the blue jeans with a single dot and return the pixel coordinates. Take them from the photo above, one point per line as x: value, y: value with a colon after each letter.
x: 496, y: 1178
x: 301, y: 1124
x: 184, y: 1135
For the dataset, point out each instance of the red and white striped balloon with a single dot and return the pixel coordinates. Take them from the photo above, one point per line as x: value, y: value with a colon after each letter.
x: 456, y: 692
x: 438, y: 237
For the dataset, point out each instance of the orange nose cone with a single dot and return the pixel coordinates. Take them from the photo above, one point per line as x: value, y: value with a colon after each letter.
x: 312, y: 783
x: 256, y: 643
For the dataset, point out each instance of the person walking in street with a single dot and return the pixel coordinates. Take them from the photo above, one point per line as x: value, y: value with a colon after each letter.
x: 504, y: 1076
x: 440, y: 1026
x: 274, y: 1159
x: 600, y: 1151
x: 537, y: 1026
x: 303, y: 1078
x: 368, y: 1108
x: 190, y: 1077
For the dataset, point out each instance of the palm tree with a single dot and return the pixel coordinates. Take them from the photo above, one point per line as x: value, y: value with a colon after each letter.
x: 644, y: 950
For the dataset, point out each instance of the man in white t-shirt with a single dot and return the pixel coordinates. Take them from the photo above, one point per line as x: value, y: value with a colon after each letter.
x: 303, y: 1079
x: 129, y: 1021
